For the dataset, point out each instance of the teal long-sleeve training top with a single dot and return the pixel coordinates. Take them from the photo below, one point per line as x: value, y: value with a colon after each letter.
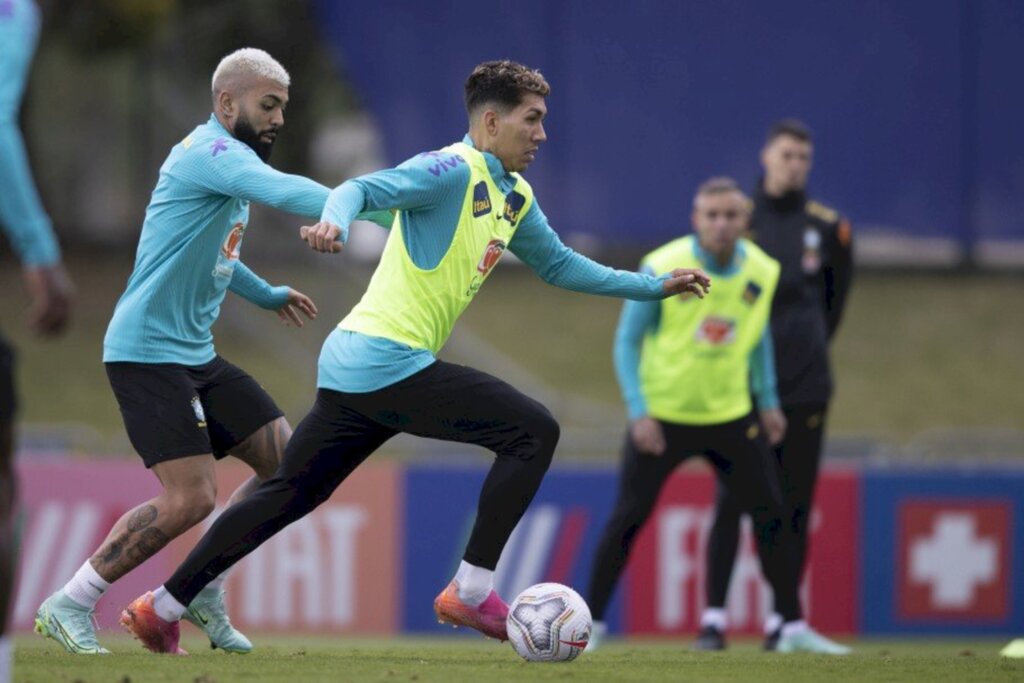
x: 188, y: 253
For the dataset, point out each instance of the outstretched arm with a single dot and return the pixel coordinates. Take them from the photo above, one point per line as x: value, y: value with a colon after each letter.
x: 229, y: 167
x: 538, y: 246
x: 424, y: 182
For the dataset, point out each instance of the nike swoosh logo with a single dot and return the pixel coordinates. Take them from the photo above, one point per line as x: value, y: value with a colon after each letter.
x: 200, y: 617
x: 574, y: 643
x: 95, y: 586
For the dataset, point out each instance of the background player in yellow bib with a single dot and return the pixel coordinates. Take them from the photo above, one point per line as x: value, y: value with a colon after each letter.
x: 457, y: 211
x: 687, y: 370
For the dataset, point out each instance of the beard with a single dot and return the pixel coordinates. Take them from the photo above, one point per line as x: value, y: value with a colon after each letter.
x: 250, y: 136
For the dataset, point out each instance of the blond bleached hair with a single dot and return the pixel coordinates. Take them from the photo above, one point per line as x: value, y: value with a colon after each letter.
x: 241, y: 66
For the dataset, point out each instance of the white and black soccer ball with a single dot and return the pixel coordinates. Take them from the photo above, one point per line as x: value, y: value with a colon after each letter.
x: 549, y: 622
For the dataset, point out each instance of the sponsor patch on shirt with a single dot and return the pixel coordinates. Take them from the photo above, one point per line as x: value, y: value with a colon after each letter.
x: 513, y: 205
x: 442, y: 162
x: 481, y: 199
x: 493, y: 252
x: 219, y: 145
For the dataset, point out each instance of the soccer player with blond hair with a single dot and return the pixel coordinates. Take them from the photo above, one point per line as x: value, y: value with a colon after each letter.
x: 185, y: 407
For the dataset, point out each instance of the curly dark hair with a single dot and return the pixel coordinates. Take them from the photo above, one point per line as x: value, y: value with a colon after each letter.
x: 503, y: 83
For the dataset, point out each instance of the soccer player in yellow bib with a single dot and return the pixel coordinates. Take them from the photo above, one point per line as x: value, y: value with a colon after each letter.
x: 687, y: 370
x: 457, y: 211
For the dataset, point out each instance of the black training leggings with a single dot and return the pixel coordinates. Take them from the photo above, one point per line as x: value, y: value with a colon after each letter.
x: 443, y: 401
x: 743, y: 463
x: 799, y: 457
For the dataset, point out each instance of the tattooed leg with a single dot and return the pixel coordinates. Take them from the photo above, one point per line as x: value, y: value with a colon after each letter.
x: 262, y: 451
x: 188, y: 498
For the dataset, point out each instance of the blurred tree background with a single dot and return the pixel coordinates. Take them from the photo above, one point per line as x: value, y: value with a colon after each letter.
x: 117, y: 82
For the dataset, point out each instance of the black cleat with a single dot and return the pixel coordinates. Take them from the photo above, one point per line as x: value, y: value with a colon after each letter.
x: 771, y: 640
x: 709, y: 638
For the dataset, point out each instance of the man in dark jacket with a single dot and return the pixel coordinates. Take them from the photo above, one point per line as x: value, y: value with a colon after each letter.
x: 812, y: 242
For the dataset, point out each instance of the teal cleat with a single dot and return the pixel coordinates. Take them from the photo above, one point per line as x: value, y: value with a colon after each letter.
x: 70, y: 624
x: 207, y: 613
x: 809, y: 640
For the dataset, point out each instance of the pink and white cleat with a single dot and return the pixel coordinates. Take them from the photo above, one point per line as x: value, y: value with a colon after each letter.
x: 141, y: 620
x: 489, y: 617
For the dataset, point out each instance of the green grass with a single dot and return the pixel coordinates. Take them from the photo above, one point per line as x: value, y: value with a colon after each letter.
x: 916, y: 353
x: 297, y: 659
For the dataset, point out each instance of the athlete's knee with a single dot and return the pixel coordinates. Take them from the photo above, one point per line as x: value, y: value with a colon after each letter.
x: 263, y: 449
x: 192, y: 504
x: 544, y: 431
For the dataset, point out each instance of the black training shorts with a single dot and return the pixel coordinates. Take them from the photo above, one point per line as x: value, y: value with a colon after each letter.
x: 8, y: 396
x: 173, y: 411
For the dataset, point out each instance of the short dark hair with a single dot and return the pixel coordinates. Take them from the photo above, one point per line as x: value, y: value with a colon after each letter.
x: 503, y: 83
x: 794, y: 128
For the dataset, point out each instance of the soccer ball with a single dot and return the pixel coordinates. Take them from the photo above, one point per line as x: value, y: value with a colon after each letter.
x: 549, y: 622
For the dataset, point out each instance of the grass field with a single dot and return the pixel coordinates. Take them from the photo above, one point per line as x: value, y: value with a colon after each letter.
x: 916, y: 353
x: 298, y: 660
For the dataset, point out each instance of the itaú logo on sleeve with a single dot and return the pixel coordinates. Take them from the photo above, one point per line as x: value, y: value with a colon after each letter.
x: 716, y: 331
x: 493, y: 252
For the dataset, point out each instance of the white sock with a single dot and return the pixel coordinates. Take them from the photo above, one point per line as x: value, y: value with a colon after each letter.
x: 791, y: 628
x: 86, y: 587
x: 773, y: 623
x: 166, y: 606
x: 5, y: 659
x: 218, y: 583
x: 715, y: 617
x: 475, y: 583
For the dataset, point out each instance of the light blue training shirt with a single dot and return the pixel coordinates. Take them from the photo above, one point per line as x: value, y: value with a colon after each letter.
x: 21, y: 213
x: 640, y: 318
x: 430, y: 203
x: 188, y: 253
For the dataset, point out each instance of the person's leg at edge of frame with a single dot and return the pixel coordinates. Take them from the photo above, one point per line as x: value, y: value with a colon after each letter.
x: 326, y: 447
x: 640, y: 480
x: 8, y: 549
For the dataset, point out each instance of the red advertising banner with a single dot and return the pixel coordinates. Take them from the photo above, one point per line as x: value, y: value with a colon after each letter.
x: 320, y: 573
x: 665, y: 579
